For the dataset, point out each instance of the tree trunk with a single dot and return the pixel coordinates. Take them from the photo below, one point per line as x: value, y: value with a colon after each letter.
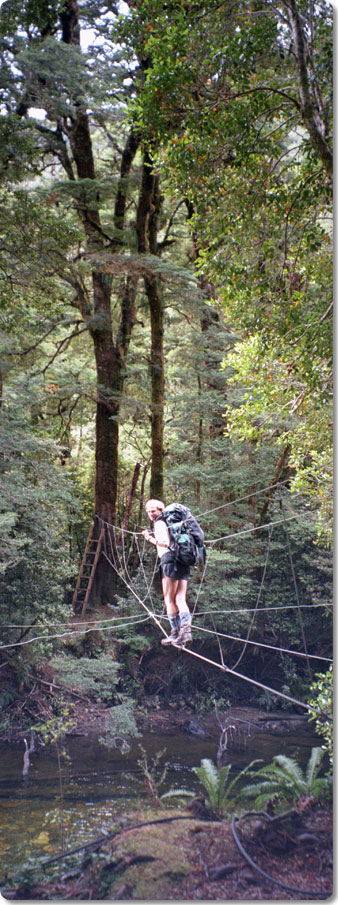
x: 140, y: 512
x: 109, y: 355
x: 147, y: 231
x: 281, y: 468
x: 210, y: 320
x: 126, y: 516
x: 199, y: 444
x: 107, y: 428
x: 311, y: 114
x: 154, y: 296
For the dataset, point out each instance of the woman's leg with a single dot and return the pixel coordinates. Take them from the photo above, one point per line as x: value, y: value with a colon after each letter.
x: 180, y: 598
x: 184, y: 612
x: 175, y: 593
x: 169, y: 587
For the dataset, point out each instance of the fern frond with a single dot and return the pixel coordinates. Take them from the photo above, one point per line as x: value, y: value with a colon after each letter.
x: 208, y: 775
x: 262, y: 800
x: 245, y: 771
x: 177, y: 793
x: 272, y: 772
x: 313, y: 766
x: 290, y: 767
x: 223, y: 775
x: 215, y: 782
x: 258, y: 788
x: 323, y: 788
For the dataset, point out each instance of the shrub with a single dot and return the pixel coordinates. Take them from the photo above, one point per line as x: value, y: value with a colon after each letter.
x: 322, y: 699
x: 94, y: 677
x: 120, y: 726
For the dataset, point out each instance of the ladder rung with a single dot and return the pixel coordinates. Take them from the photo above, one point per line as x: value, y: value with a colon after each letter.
x: 87, y: 570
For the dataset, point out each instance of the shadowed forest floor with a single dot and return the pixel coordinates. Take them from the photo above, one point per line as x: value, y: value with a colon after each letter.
x: 185, y: 857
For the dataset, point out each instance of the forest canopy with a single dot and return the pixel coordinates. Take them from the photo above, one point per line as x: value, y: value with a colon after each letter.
x: 166, y: 292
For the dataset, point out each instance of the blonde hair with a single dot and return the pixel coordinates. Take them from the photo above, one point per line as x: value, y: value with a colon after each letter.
x: 155, y: 503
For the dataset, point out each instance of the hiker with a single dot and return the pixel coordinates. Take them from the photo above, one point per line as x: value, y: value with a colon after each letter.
x: 174, y: 575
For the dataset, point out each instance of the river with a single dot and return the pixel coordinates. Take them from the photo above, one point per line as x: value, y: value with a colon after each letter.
x: 100, y: 785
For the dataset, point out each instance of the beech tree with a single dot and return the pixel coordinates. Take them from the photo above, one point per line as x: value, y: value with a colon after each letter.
x: 240, y: 103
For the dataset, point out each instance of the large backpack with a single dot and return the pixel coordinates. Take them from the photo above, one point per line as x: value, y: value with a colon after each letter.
x: 186, y: 538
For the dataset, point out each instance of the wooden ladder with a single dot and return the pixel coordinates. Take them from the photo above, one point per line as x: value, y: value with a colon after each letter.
x: 87, y: 571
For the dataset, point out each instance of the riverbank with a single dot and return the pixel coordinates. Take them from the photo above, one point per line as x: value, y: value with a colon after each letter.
x: 174, y: 855
x: 87, y: 716
x: 188, y: 855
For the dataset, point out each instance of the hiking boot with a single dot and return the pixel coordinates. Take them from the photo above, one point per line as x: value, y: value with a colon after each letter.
x: 184, y: 635
x: 172, y: 638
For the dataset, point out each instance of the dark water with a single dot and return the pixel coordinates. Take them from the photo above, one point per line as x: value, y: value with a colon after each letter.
x: 96, y: 790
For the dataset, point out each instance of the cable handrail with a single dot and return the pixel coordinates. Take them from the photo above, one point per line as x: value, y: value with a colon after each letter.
x: 140, y: 620
x: 73, y: 632
x: 213, y: 540
x: 242, y: 498
x: 262, y: 609
x: 152, y: 615
x: 282, y: 650
x: 250, y: 530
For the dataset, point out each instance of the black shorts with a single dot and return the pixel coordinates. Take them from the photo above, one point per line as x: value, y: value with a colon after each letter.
x: 176, y: 571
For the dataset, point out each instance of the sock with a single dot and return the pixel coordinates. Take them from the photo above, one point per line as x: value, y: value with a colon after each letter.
x: 185, y: 619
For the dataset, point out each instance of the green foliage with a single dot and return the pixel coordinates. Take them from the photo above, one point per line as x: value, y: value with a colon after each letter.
x: 284, y: 781
x: 233, y: 583
x: 322, y: 699
x: 222, y: 100
x: 35, y: 512
x: 213, y: 94
x: 153, y: 774
x: 53, y: 730
x: 216, y: 783
x: 96, y: 678
x: 6, y: 698
x: 153, y: 777
x: 120, y: 726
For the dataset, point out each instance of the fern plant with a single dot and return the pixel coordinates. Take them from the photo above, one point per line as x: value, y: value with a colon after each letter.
x: 284, y: 780
x: 217, y: 785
